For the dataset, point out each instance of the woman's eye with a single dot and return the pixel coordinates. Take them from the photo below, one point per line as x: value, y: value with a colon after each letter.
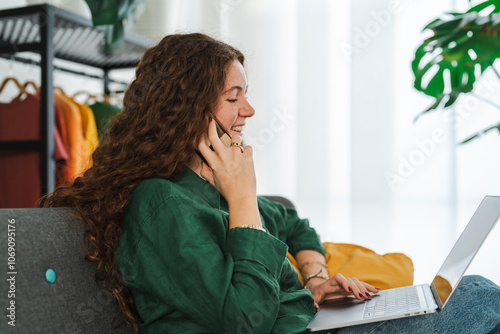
x: 232, y: 100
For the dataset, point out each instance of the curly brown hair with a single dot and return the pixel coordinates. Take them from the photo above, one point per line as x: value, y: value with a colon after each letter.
x: 166, y: 111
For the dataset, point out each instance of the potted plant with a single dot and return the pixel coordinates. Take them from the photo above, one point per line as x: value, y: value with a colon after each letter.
x: 463, y: 46
x: 114, y: 16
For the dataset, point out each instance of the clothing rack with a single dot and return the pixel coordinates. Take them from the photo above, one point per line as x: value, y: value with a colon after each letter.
x: 56, y: 33
x: 62, y: 69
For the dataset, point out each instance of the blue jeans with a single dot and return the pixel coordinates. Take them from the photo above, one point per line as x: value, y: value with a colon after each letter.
x: 474, y: 307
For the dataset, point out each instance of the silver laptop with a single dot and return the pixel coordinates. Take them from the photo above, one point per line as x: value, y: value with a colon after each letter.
x: 418, y: 299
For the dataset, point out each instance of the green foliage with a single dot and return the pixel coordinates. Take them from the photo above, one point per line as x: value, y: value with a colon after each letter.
x: 112, y: 16
x: 462, y: 47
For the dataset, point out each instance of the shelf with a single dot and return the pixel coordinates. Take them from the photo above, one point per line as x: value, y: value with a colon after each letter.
x: 55, y: 33
x: 74, y: 38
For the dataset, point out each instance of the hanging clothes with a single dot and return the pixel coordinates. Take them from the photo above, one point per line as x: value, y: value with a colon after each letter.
x: 89, y: 129
x: 63, y: 138
x: 103, y: 112
x: 78, y: 160
x: 20, y: 169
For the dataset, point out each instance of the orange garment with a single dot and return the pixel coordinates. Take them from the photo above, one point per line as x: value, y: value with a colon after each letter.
x: 78, y: 156
x: 387, y: 271
x: 89, y: 129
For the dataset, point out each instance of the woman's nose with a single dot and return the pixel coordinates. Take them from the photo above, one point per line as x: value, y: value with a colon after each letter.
x: 247, y: 110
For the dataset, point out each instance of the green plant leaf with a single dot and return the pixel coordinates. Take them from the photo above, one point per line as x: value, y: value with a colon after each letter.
x: 483, y: 5
x: 445, y: 64
x: 448, y: 25
x: 112, y: 14
x: 481, y: 133
x: 115, y: 35
x: 103, y: 12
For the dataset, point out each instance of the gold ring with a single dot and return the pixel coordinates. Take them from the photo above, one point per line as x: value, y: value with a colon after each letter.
x: 238, y: 145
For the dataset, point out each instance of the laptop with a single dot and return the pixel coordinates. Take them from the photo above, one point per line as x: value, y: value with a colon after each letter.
x: 418, y: 299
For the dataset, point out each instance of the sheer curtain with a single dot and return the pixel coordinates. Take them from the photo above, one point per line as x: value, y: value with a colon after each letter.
x: 334, y: 128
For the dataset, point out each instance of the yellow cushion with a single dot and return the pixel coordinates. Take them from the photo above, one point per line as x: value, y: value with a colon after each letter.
x: 382, y: 271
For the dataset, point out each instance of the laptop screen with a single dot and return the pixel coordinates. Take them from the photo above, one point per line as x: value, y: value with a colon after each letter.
x: 457, y: 262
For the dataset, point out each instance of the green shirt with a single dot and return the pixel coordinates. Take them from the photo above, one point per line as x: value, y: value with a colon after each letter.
x: 189, y: 273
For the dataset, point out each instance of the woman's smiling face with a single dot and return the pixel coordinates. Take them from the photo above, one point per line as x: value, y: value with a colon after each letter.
x: 233, y: 108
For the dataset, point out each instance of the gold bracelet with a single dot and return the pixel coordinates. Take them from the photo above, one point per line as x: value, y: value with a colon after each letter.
x: 315, y: 276
x: 255, y: 227
x: 312, y: 262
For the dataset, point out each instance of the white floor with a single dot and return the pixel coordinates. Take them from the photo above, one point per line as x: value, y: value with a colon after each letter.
x: 425, y: 232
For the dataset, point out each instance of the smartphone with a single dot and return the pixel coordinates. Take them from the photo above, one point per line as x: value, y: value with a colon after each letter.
x: 223, y: 134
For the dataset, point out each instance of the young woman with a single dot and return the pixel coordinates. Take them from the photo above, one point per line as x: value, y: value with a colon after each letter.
x: 181, y: 238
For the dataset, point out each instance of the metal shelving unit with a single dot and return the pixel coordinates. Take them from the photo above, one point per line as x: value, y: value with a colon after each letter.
x: 56, y: 33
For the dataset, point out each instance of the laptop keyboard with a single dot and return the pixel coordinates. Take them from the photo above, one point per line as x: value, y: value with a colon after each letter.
x: 387, y: 302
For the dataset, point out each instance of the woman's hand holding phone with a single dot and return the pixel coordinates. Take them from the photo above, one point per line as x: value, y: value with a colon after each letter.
x: 230, y: 171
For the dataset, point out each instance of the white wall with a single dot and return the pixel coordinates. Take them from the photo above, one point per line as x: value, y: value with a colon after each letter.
x: 334, y: 129
x: 354, y: 125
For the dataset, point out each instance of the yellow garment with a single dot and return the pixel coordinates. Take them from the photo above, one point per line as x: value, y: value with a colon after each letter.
x: 382, y: 271
x: 89, y: 129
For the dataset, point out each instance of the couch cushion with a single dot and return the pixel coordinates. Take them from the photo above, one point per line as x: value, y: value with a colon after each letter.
x: 49, y: 239
x: 388, y: 271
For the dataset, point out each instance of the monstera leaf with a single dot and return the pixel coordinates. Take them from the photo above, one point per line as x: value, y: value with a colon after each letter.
x: 111, y: 16
x: 462, y: 47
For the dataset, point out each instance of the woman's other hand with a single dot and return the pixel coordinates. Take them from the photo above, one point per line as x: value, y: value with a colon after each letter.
x: 339, y: 286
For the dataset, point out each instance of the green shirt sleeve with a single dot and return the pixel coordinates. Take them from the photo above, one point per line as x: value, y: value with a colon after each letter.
x: 286, y: 225
x: 180, y: 245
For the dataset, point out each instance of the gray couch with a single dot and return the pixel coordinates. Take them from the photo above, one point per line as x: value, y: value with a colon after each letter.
x: 45, y: 240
